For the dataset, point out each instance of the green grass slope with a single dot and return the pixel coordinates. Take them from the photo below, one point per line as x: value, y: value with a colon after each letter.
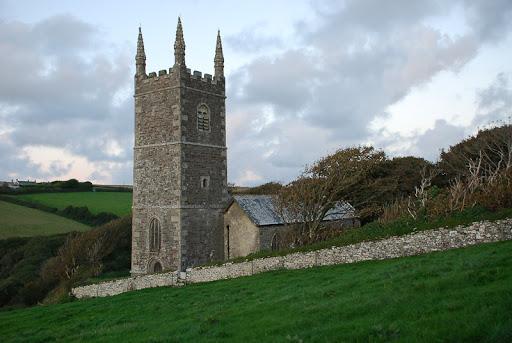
x: 455, y: 296
x: 118, y: 203
x: 21, y: 221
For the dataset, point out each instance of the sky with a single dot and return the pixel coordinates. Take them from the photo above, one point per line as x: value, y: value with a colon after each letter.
x: 304, y: 78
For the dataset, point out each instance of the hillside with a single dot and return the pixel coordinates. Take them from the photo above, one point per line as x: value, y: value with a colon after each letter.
x: 458, y: 295
x: 118, y: 203
x: 21, y: 221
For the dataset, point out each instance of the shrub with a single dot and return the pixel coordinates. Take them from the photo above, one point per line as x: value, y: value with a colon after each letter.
x: 42, y: 269
x: 88, y: 254
x: 83, y: 215
x: 20, y: 264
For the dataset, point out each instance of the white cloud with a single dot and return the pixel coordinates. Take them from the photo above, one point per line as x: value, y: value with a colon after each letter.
x: 360, y: 76
x: 355, y: 72
x: 250, y: 177
x: 71, y: 100
x: 60, y: 163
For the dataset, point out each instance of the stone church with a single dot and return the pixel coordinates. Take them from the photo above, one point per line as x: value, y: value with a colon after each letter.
x: 183, y: 215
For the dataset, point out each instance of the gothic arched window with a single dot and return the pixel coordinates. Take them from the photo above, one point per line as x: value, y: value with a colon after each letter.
x: 203, y: 118
x: 155, y: 235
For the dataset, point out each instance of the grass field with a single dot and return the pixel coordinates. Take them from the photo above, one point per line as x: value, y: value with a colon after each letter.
x: 462, y: 295
x: 118, y: 203
x: 21, y: 221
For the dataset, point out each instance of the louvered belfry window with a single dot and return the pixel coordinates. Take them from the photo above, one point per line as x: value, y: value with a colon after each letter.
x: 203, y: 118
x: 155, y: 235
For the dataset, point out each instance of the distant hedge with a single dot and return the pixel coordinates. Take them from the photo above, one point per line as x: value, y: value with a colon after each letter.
x: 111, y: 189
x: 80, y: 214
x: 71, y: 185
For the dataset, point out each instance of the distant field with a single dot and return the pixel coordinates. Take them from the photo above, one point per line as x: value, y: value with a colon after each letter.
x: 21, y: 221
x: 118, y: 203
x: 461, y: 295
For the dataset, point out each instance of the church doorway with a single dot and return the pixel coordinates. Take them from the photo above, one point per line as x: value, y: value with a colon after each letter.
x: 157, y: 267
x: 275, y: 244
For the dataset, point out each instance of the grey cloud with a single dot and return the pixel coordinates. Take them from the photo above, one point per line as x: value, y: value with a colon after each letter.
x: 441, y: 136
x: 357, y: 58
x: 283, y: 82
x: 490, y: 20
x: 61, y: 84
x: 365, y: 20
x: 284, y: 110
x: 14, y: 165
x: 495, y: 102
x: 77, y: 35
x: 252, y: 40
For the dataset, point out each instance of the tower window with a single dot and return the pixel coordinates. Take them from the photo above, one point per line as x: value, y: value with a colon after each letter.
x: 203, y: 118
x: 155, y: 235
x: 205, y: 181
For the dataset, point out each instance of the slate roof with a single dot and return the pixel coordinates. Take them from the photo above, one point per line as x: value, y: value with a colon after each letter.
x: 262, y: 210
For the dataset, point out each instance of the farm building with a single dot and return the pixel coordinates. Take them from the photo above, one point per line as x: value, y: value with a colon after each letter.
x: 253, y: 223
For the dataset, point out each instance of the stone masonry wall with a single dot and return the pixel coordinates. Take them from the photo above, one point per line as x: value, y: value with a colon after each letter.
x: 172, y: 157
x: 411, y: 244
x: 241, y: 234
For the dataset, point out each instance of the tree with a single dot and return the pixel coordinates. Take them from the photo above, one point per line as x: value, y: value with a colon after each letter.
x: 387, y: 181
x: 271, y: 187
x: 491, y: 147
x: 305, y: 201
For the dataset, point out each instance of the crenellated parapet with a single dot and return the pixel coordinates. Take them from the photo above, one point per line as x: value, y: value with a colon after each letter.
x: 171, y: 77
x: 179, y: 75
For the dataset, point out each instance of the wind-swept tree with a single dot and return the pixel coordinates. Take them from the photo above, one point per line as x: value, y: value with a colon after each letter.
x: 305, y: 201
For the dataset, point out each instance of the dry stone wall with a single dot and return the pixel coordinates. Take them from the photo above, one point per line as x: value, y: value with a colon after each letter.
x: 411, y: 244
x: 119, y: 286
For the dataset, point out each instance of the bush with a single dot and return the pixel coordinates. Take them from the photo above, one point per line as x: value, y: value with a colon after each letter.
x: 20, y: 264
x: 88, y: 254
x: 33, y: 292
x: 493, y: 144
x: 43, y: 269
x: 490, y: 193
x: 83, y: 215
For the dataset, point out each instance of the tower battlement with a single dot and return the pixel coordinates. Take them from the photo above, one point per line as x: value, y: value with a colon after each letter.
x: 179, y: 67
x: 188, y: 76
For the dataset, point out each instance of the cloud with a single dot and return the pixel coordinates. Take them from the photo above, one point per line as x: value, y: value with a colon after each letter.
x: 66, y: 106
x: 252, y: 40
x: 58, y: 83
x: 494, y: 104
x: 489, y: 19
x: 441, y: 136
x: 356, y: 60
x: 495, y: 101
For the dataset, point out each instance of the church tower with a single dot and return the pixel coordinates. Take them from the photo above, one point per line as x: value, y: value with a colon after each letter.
x: 180, y: 181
